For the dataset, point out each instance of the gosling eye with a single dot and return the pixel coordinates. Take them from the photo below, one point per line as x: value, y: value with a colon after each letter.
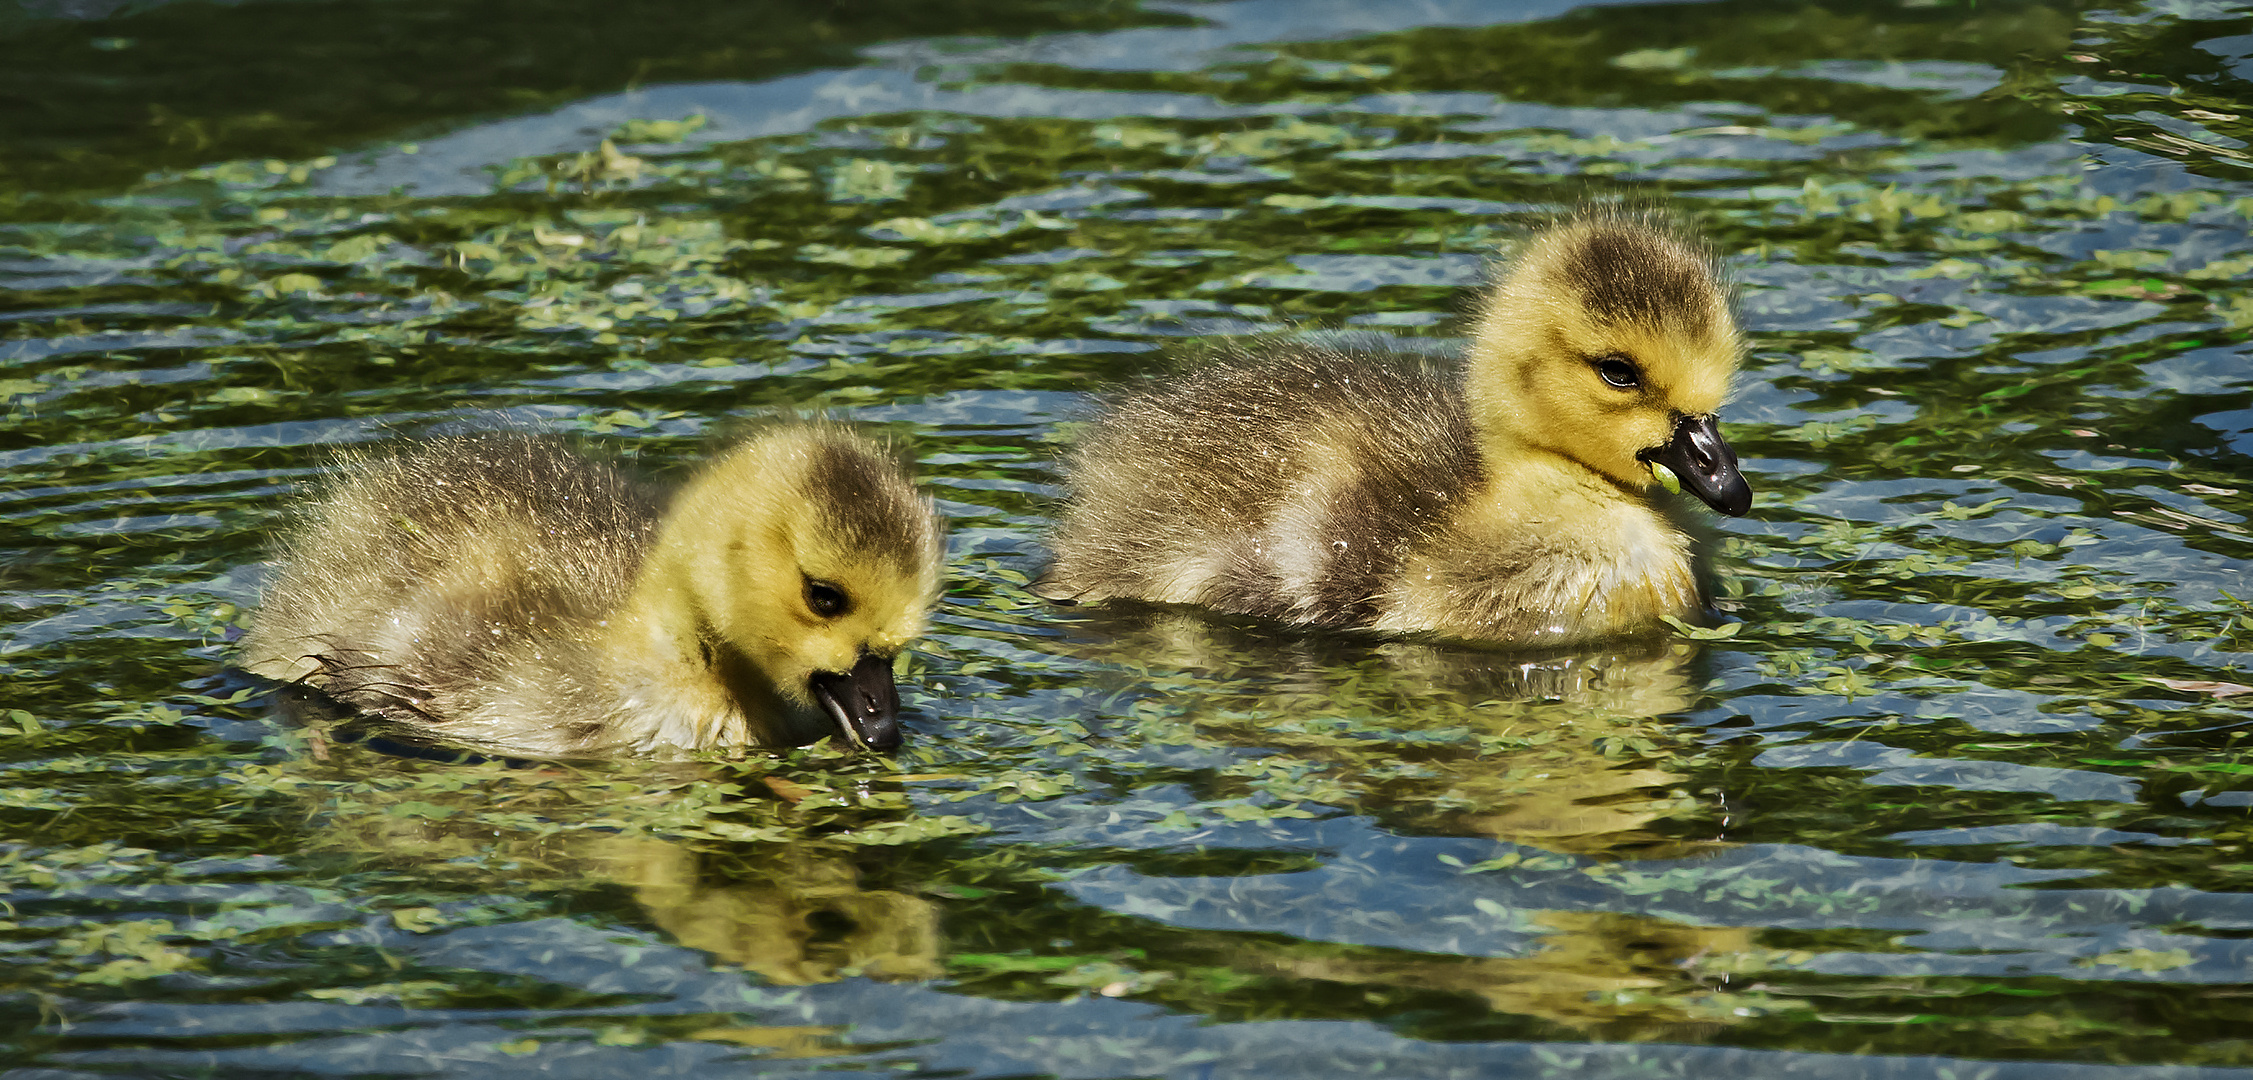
x: 1619, y: 372
x: 826, y: 599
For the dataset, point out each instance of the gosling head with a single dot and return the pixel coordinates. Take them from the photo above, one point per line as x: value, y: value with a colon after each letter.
x: 807, y: 553
x: 1609, y: 341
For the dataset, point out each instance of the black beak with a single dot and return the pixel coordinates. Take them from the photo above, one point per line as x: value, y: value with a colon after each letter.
x: 1704, y: 463
x: 863, y: 701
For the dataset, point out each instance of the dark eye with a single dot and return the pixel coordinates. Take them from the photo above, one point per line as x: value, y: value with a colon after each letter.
x: 1620, y: 372
x: 825, y: 599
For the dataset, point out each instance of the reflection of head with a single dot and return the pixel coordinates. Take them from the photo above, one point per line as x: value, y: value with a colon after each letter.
x: 795, y: 919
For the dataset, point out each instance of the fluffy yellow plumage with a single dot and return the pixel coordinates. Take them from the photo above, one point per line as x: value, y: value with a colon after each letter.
x: 502, y: 591
x: 1508, y: 502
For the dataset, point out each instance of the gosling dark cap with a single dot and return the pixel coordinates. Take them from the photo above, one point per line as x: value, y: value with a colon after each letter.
x: 1636, y: 274
x: 865, y: 497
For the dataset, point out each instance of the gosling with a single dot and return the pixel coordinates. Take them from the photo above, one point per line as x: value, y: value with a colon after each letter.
x: 1512, y: 503
x: 503, y: 592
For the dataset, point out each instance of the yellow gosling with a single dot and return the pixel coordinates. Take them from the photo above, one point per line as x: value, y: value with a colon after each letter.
x: 503, y: 592
x: 1511, y: 501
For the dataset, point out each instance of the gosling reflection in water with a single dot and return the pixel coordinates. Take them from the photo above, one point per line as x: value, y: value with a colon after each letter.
x: 1533, y: 749
x: 1541, y: 749
x: 792, y: 916
x: 1605, y: 975
x: 1639, y: 677
x: 794, y: 913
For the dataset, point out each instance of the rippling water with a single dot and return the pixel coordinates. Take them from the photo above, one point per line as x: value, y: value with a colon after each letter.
x: 1965, y: 792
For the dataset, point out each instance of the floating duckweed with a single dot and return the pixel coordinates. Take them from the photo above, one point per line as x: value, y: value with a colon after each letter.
x: 1655, y: 59
x: 869, y: 180
x: 859, y: 257
x: 1666, y: 478
x: 659, y: 131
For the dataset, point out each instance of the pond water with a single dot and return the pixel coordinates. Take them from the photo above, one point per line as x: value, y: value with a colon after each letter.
x: 1962, y: 788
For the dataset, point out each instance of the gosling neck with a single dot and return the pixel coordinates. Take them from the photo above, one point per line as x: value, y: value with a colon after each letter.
x: 686, y: 685
x: 1536, y: 483
x: 1501, y: 375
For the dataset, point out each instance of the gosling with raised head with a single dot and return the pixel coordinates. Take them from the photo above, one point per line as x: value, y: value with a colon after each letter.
x: 1510, y: 503
x: 504, y: 592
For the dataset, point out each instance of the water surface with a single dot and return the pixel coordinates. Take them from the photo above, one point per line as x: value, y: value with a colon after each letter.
x: 1961, y: 787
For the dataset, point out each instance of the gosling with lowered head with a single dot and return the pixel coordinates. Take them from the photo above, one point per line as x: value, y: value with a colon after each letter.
x: 1509, y: 503
x: 504, y: 592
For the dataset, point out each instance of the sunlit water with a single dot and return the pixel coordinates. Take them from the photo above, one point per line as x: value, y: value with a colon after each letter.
x: 1964, y: 786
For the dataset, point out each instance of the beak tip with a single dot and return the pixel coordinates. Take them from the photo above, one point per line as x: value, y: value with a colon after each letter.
x: 1734, y: 500
x: 880, y: 733
x: 863, y: 703
x: 1705, y: 465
